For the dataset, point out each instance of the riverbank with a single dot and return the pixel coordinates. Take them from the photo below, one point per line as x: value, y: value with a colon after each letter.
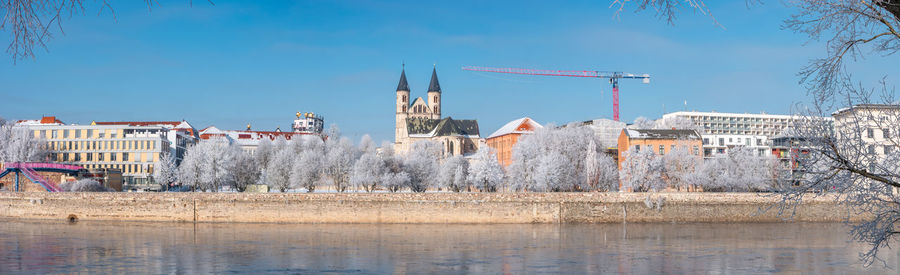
x: 414, y: 208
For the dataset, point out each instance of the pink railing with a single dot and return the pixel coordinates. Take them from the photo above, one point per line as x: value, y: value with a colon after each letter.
x: 41, y: 165
x: 33, y: 175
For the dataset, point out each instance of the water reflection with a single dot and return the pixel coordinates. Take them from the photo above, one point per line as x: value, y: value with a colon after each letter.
x: 107, y: 247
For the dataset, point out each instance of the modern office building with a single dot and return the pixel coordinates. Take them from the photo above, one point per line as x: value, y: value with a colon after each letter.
x: 131, y: 149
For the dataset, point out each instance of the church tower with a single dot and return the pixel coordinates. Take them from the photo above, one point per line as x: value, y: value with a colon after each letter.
x: 401, y: 134
x: 434, y: 95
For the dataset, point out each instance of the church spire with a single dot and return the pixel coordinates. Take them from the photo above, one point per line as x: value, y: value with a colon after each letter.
x: 403, y: 86
x: 434, y: 86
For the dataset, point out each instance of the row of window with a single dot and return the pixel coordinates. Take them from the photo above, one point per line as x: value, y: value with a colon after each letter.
x: 104, y: 145
x: 125, y: 168
x: 745, y: 141
x: 662, y: 148
x: 124, y: 157
x: 88, y: 133
x: 885, y: 133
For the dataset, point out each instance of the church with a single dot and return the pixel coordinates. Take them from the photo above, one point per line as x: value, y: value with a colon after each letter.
x: 420, y: 119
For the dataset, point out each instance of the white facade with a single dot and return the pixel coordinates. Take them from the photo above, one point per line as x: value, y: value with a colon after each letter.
x: 309, y: 123
x: 720, y: 144
x: 714, y: 123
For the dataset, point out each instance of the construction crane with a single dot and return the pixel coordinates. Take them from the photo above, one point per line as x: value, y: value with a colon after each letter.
x: 612, y: 76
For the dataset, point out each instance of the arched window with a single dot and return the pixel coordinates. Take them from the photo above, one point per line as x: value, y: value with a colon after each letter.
x: 451, y: 148
x: 435, y: 100
x: 435, y: 109
x: 404, y: 99
x: 404, y: 108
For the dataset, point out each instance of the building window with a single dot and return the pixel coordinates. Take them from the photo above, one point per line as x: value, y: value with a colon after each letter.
x: 90, y: 156
x: 404, y: 100
x: 77, y: 133
x: 112, y: 156
x: 662, y: 149
x: 759, y: 142
x: 888, y: 149
x: 705, y: 141
x: 435, y: 109
x: 637, y: 148
x: 870, y: 133
x: 696, y: 150
x: 90, y: 133
x: 124, y: 156
x: 886, y: 133
x: 872, y: 149
x: 100, y: 156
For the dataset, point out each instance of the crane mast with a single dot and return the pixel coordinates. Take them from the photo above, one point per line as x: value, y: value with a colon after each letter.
x: 612, y: 76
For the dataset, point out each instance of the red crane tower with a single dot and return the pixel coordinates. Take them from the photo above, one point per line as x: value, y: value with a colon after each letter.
x: 612, y: 76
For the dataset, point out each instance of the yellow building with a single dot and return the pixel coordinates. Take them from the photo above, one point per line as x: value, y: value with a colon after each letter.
x: 131, y: 149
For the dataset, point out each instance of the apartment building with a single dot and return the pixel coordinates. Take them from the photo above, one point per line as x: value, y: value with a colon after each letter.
x: 714, y: 123
x: 181, y: 134
x: 131, y: 149
x: 721, y: 131
x: 876, y: 124
x: 249, y: 140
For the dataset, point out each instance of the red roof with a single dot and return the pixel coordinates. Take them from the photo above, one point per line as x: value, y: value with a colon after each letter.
x: 50, y: 119
x: 138, y: 123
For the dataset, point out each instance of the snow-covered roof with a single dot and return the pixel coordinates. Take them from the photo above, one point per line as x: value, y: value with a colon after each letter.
x: 515, y: 127
x: 211, y: 130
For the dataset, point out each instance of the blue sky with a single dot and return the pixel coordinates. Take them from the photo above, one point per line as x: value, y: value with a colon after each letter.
x: 259, y: 62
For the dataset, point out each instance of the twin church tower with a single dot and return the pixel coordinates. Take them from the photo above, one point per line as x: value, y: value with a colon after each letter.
x: 420, y: 119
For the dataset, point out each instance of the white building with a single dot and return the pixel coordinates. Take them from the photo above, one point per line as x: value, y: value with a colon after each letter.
x: 309, y: 123
x: 248, y: 140
x: 721, y: 131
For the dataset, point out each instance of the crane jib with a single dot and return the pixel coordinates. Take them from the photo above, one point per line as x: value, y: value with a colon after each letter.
x: 612, y: 76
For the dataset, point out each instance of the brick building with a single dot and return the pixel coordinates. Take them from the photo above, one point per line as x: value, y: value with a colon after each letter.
x: 503, y: 140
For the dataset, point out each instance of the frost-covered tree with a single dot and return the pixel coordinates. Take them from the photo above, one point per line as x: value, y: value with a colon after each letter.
x: 393, y: 182
x: 678, y: 123
x: 741, y: 170
x: 394, y: 178
x: 339, y: 162
x: 190, y: 171
x: 308, y: 170
x: 607, y: 175
x: 485, y: 172
x: 600, y: 170
x: 264, y: 152
x: 366, y: 144
x: 368, y: 171
x: 551, y: 173
x: 84, y: 185
x: 217, y: 169
x: 453, y: 173
x: 642, y: 171
x: 421, y: 164
x: 568, y: 144
x: 678, y: 164
x: 18, y: 144
x: 165, y: 171
x: 277, y: 174
x: 642, y: 123
x: 246, y: 170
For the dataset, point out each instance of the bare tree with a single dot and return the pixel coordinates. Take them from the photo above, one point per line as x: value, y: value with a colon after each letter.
x: 843, y: 158
x: 31, y: 23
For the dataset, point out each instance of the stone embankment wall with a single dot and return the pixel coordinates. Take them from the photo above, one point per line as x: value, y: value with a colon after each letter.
x: 414, y: 208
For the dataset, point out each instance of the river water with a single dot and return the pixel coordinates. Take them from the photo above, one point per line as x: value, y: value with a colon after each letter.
x: 164, y: 248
